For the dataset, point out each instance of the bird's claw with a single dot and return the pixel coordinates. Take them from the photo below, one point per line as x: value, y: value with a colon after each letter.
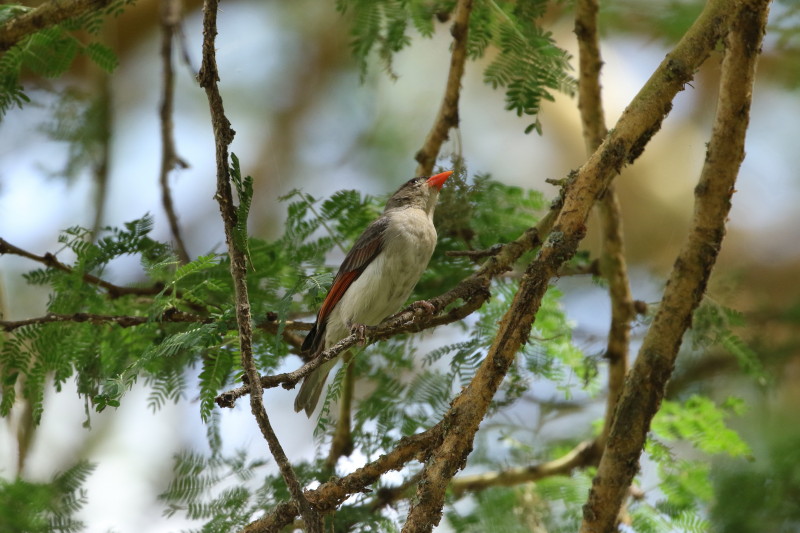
x: 360, y: 331
x: 425, y: 305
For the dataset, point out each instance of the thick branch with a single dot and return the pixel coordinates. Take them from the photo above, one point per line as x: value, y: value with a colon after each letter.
x: 590, y: 102
x: 44, y: 16
x: 170, y: 20
x: 636, y: 126
x: 330, y: 495
x: 448, y: 112
x: 612, y: 262
x: 223, y: 136
x: 645, y: 387
x: 614, y: 269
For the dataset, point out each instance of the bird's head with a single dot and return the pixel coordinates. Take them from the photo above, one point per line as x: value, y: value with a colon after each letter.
x: 421, y: 193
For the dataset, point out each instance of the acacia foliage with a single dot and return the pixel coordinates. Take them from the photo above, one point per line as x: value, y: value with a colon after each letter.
x: 289, y: 276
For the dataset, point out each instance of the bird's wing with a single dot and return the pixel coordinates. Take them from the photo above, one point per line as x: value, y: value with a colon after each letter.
x: 365, y: 249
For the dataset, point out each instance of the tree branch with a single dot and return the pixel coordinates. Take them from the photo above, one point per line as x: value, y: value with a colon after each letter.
x: 330, y: 495
x: 49, y: 260
x: 644, y: 391
x: 590, y: 102
x: 634, y: 129
x: 170, y: 315
x: 223, y: 136
x: 448, y: 112
x: 170, y: 20
x: 584, y: 454
x: 475, y: 255
x: 44, y: 16
x: 614, y: 269
x: 612, y: 261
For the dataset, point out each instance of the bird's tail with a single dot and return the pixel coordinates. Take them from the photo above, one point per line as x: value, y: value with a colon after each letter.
x: 311, y: 388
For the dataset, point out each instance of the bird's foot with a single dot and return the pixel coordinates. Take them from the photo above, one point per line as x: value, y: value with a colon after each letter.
x: 425, y: 305
x: 360, y: 331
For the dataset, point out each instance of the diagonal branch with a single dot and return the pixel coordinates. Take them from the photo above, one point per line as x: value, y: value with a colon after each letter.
x: 49, y: 260
x: 44, y: 16
x: 170, y: 21
x: 447, y: 117
x: 223, y: 136
x: 612, y: 262
x: 330, y: 495
x: 634, y: 129
x: 644, y: 390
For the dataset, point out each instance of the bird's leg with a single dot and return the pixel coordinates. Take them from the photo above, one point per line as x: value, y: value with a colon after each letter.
x: 360, y: 331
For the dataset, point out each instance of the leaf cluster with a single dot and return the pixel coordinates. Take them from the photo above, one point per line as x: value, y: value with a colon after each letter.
x: 217, y: 490
x: 685, y: 484
x: 51, y: 51
x: 526, y: 62
x: 714, y: 325
x: 45, y: 507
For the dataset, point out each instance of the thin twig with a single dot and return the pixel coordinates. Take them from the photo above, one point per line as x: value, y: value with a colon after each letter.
x: 49, y: 260
x: 123, y: 321
x: 644, y: 389
x: 475, y: 255
x: 102, y: 165
x: 612, y: 262
x: 448, y: 112
x: 170, y: 20
x: 223, y: 136
x: 44, y: 16
x: 584, y: 454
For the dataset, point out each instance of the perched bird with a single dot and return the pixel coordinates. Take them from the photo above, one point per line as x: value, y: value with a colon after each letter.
x: 376, y: 277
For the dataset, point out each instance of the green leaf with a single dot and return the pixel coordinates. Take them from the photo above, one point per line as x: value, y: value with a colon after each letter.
x: 702, y: 423
x: 49, y: 52
x: 244, y: 190
x: 103, y: 56
x: 45, y: 507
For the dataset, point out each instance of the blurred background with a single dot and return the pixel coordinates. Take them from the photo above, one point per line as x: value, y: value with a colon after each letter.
x: 305, y: 118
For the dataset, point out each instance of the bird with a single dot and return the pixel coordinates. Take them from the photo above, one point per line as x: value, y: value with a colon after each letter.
x: 376, y: 277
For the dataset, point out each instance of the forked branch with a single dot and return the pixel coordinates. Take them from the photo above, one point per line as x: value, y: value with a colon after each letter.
x: 634, y: 129
x: 644, y: 390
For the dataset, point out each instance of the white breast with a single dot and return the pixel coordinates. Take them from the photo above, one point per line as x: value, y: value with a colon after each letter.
x: 387, y: 282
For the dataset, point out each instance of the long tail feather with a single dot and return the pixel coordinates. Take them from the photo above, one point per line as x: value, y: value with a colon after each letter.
x: 311, y: 389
